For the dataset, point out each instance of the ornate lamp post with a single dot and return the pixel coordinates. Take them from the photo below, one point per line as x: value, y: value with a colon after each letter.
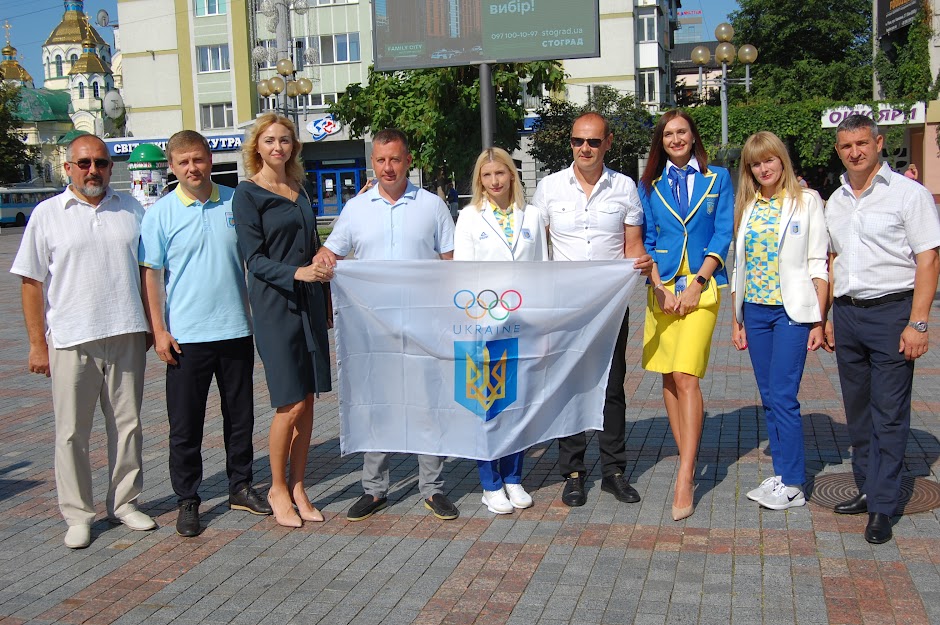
x: 725, y: 54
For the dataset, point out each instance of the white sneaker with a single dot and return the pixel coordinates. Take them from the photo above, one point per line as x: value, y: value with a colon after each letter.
x: 136, y: 520
x: 518, y: 497
x: 497, y: 502
x: 766, y: 487
x: 783, y: 497
x: 78, y: 536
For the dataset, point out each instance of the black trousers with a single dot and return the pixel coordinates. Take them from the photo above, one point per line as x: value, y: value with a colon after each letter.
x: 611, y: 440
x: 876, y: 392
x: 187, y: 390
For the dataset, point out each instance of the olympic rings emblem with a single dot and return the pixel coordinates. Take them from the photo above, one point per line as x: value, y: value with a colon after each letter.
x: 488, y: 300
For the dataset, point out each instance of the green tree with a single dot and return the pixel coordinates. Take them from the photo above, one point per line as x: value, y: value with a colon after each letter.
x: 14, y: 154
x: 630, y: 122
x: 439, y: 109
x: 806, y: 48
x: 903, y: 67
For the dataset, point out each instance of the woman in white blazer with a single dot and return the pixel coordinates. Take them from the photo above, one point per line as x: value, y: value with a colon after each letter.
x: 779, y: 289
x: 497, y: 225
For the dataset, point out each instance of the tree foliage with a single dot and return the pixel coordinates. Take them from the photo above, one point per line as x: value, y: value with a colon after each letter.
x: 903, y: 68
x: 439, y: 109
x: 14, y: 154
x: 807, y: 48
x: 630, y: 122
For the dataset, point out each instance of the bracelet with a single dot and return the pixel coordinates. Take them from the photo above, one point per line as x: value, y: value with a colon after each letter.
x: 656, y: 287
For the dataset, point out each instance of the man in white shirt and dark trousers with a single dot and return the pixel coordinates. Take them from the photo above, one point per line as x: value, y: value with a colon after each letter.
x: 81, y: 246
x: 884, y: 233
x: 594, y: 213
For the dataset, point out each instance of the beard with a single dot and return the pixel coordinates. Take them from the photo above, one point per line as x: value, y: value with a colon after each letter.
x: 92, y: 188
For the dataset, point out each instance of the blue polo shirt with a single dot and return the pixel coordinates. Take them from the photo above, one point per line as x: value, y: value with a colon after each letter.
x: 203, y: 272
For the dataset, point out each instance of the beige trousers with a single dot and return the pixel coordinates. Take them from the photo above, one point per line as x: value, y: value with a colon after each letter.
x: 111, y: 371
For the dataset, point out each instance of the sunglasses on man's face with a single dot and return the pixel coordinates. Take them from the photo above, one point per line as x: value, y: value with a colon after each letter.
x: 85, y: 163
x: 577, y: 142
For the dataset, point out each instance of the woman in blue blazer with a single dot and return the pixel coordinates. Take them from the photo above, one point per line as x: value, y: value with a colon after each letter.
x: 688, y: 210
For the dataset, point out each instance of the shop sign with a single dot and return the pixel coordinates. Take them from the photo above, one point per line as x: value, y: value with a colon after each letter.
x: 887, y: 115
x: 217, y: 143
x: 323, y: 127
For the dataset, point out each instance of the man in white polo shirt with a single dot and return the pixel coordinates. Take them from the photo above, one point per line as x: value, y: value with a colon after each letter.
x: 884, y: 234
x: 594, y: 213
x: 394, y: 220
x: 189, y: 254
x: 81, y: 246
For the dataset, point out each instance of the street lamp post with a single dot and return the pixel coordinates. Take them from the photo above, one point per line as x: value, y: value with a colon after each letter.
x: 725, y: 54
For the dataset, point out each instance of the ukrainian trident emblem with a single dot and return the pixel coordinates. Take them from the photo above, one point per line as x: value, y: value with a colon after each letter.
x: 485, y: 375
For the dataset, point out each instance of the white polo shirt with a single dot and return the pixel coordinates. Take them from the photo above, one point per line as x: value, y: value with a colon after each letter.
x: 588, y: 228
x: 877, y: 235
x: 416, y: 227
x: 86, y: 257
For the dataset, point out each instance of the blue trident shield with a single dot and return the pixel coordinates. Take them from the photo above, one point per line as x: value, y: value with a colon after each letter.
x: 485, y: 375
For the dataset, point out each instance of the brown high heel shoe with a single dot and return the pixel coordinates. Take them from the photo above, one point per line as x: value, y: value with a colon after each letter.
x: 310, y: 513
x: 287, y: 518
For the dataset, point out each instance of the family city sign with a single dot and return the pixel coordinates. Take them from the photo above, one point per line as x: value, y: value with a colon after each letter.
x: 887, y: 114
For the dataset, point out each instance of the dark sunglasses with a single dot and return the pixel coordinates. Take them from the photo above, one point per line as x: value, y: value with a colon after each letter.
x: 577, y: 142
x: 85, y: 163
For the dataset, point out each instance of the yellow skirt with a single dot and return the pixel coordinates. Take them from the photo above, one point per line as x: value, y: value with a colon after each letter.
x: 673, y: 343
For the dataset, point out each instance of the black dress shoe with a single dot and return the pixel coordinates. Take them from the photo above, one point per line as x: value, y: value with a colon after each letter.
x: 442, y: 507
x: 856, y: 505
x: 249, y: 500
x: 574, y: 495
x: 618, y: 486
x: 187, y: 521
x: 879, y: 528
x: 365, y: 507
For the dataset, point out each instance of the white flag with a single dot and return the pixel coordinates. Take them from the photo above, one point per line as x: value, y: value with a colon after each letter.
x: 474, y: 359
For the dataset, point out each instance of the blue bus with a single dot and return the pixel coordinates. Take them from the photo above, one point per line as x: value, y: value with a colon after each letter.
x: 17, y: 203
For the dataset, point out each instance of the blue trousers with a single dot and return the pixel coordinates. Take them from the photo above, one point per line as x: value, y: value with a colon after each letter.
x: 506, y: 470
x: 777, y: 346
x: 876, y: 392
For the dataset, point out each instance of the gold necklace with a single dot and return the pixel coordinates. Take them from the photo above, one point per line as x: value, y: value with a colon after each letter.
x: 273, y: 187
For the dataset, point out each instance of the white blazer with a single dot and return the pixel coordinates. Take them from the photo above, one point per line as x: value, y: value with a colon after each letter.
x: 479, y: 237
x: 802, y: 250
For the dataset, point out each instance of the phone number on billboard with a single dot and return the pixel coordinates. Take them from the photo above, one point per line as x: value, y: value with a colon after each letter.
x: 557, y: 37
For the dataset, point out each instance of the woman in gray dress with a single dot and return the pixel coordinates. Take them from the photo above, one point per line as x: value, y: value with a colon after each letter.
x: 277, y: 234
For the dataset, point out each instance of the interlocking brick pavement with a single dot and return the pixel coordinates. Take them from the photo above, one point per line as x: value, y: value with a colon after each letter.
x: 604, y: 563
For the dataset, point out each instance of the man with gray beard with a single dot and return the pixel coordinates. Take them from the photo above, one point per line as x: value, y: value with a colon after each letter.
x: 81, y: 248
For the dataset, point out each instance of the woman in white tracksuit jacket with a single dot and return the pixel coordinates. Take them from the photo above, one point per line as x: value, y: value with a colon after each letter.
x: 497, y: 225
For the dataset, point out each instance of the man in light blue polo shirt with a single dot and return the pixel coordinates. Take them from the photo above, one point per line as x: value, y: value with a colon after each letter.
x: 204, y: 330
x: 395, y: 220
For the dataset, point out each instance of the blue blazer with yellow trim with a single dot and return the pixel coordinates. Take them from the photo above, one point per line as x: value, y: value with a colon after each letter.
x: 706, y: 231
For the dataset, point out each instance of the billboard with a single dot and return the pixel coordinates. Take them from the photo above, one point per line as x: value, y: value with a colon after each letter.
x: 413, y: 34
x: 895, y: 14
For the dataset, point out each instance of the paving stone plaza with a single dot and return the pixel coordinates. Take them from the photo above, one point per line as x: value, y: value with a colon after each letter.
x: 604, y: 563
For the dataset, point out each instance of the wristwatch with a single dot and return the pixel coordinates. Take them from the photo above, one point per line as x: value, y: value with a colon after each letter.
x: 920, y: 326
x: 702, y: 280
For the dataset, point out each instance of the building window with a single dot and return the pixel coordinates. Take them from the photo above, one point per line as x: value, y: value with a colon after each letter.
x: 269, y: 45
x: 72, y: 60
x: 58, y: 66
x: 332, y: 49
x: 218, y: 115
x: 97, y: 91
x: 316, y: 100
x: 647, y: 86
x: 328, y: 2
x: 210, y: 7
x: 213, y: 58
x: 81, y: 91
x: 646, y: 28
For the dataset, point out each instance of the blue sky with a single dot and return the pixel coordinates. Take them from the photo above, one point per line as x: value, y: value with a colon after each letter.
x: 32, y: 22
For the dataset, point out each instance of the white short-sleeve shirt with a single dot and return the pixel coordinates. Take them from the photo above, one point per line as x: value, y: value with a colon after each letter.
x: 86, y: 257
x: 416, y: 227
x: 876, y: 236
x: 588, y: 228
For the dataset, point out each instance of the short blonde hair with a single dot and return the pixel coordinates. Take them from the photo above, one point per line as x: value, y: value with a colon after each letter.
x: 758, y: 147
x: 495, y: 155
x: 252, y: 158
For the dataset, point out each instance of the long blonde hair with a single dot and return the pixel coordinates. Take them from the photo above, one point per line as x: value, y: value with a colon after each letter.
x: 758, y: 147
x: 495, y: 155
x: 251, y: 157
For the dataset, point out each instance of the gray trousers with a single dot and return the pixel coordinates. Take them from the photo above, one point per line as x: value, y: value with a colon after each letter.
x: 375, y: 474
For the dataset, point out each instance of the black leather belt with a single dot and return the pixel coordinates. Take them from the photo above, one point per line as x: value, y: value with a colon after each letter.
x: 868, y: 303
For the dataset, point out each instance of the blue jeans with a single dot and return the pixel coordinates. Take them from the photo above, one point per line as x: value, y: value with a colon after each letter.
x: 777, y: 346
x: 506, y: 470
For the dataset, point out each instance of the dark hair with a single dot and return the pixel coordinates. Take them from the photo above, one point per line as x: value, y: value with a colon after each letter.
x: 657, y: 159
x: 593, y: 114
x: 390, y: 135
x: 858, y: 122
x: 186, y: 139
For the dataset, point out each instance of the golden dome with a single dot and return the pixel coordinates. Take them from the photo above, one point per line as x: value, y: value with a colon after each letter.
x: 74, y: 28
